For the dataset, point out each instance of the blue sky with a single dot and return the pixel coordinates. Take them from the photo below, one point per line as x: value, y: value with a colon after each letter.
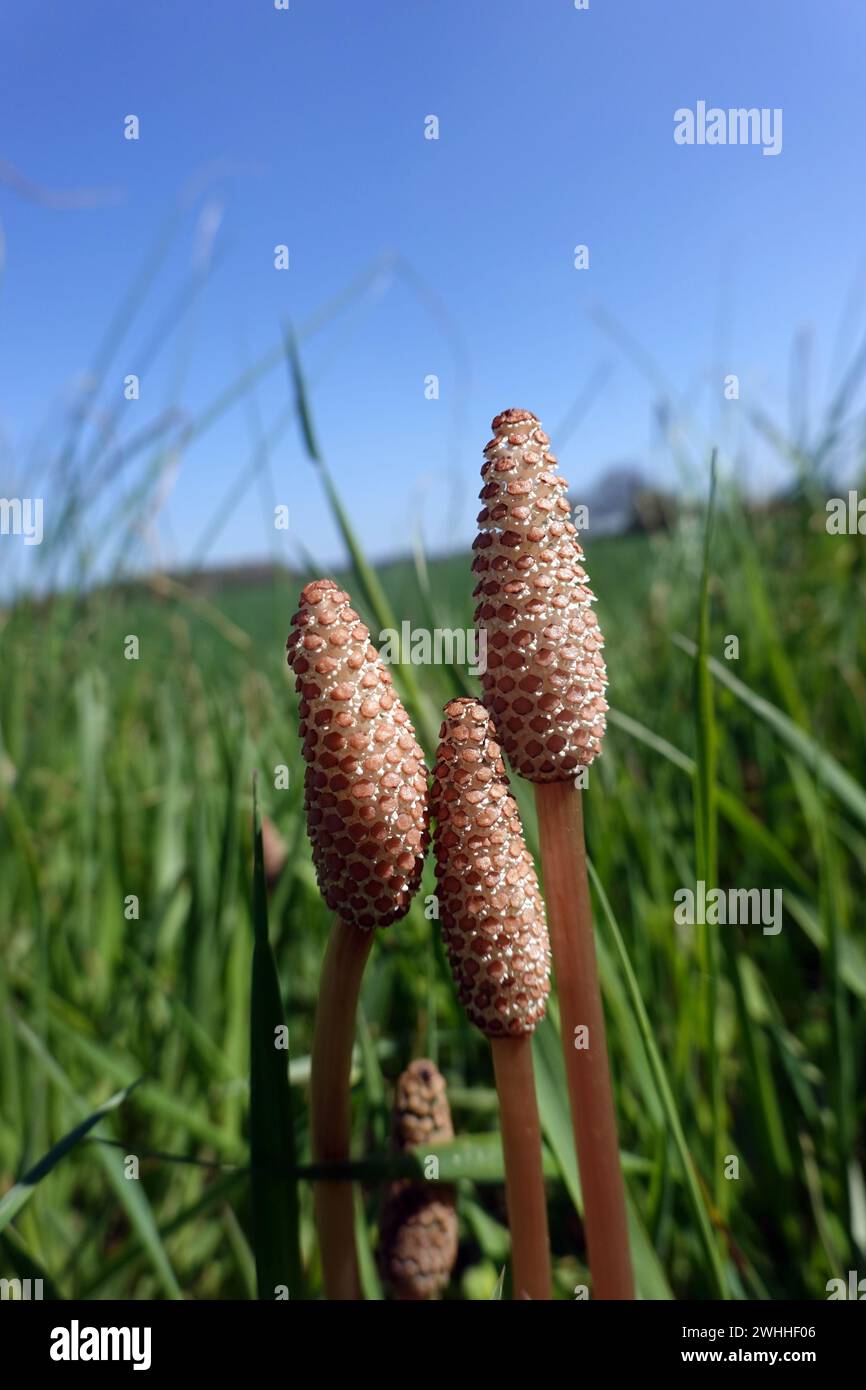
x: 306, y: 127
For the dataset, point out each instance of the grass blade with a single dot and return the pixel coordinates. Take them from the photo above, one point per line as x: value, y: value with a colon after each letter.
x: 365, y: 575
x: 817, y: 759
x: 666, y: 1095
x: 706, y: 840
x: 20, y: 1193
x: 276, y: 1238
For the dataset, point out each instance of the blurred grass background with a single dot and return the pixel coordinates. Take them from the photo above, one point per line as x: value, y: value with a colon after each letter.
x: 134, y: 777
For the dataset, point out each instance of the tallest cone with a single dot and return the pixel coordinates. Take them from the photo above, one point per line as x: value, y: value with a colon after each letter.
x: 546, y: 679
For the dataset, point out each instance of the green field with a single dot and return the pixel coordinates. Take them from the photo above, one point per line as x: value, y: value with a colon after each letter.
x: 134, y: 777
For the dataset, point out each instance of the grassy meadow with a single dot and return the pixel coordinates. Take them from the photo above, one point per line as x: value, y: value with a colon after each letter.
x: 737, y: 1056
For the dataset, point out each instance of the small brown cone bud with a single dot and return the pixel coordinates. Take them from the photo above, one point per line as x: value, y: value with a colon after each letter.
x: 546, y: 679
x: 491, y: 910
x: 366, y: 782
x: 422, y: 1114
x: 418, y: 1226
x: 418, y: 1241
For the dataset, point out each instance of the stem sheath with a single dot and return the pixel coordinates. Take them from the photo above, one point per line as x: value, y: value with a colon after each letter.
x: 566, y: 888
x: 331, y: 1117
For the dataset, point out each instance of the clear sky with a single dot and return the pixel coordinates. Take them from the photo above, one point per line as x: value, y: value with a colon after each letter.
x: 307, y: 127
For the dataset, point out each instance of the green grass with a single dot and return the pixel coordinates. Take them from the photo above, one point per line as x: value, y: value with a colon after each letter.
x: 135, y: 778
x: 131, y: 781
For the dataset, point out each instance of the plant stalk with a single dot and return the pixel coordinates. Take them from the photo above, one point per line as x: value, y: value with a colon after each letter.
x: 524, y: 1179
x: 566, y: 890
x: 330, y: 1103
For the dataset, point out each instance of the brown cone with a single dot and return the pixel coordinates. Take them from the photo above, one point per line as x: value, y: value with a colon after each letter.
x: 491, y: 910
x: 422, y: 1114
x: 366, y: 783
x: 418, y: 1241
x: 546, y: 679
x: 418, y: 1226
